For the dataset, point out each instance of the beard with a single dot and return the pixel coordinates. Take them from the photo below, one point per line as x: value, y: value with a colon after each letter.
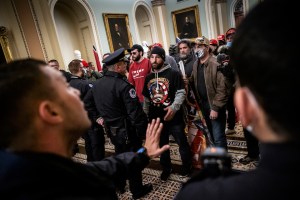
x: 157, y: 66
x: 138, y: 57
x: 183, y: 56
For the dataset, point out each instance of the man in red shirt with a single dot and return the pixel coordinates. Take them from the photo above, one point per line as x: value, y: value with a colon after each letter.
x: 138, y: 70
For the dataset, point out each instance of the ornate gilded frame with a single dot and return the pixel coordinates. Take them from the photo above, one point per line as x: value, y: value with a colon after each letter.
x: 122, y: 20
x: 178, y: 18
x: 5, y: 44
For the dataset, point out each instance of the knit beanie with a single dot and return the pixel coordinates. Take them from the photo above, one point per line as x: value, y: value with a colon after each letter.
x: 159, y: 51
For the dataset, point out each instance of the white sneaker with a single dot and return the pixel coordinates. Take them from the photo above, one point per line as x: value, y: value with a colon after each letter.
x: 229, y: 131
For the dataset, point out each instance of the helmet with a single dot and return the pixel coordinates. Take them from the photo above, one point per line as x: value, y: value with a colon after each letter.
x: 213, y: 42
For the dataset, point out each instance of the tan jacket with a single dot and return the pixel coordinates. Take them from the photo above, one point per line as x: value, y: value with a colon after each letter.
x: 215, y: 83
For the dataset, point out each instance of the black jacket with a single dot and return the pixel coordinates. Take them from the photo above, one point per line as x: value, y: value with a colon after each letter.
x: 80, y: 84
x: 116, y: 101
x: 275, y: 178
x: 29, y: 175
x: 84, y: 86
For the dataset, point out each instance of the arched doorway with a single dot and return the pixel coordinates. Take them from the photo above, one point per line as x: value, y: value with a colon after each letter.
x: 144, y: 25
x: 74, y: 29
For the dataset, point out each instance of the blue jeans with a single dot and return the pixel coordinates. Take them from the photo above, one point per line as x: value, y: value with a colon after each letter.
x: 217, y: 126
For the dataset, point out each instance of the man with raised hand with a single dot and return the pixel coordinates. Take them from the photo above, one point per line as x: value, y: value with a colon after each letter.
x: 42, y: 117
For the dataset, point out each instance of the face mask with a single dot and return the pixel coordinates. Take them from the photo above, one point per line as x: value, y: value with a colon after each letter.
x: 200, y: 53
x: 229, y: 44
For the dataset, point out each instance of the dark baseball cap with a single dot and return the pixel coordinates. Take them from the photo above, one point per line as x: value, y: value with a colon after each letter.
x: 136, y: 46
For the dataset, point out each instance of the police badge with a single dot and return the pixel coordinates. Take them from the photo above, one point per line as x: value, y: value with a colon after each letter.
x: 132, y: 93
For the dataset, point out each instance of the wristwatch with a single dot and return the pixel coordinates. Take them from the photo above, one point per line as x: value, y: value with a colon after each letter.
x: 143, y: 151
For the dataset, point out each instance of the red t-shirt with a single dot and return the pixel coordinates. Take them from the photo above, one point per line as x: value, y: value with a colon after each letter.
x: 137, y: 75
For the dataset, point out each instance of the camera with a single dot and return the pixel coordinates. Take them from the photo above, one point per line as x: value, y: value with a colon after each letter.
x: 216, y: 161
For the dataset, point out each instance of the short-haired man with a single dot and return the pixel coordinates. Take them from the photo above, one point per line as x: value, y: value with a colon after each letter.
x: 168, y: 60
x: 268, y: 75
x: 53, y: 63
x: 138, y: 70
x: 41, y: 119
x: 164, y: 94
x: 94, y: 137
x: 211, y: 91
x: 125, y: 121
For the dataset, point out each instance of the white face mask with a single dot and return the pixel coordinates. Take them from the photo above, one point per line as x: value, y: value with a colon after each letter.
x: 199, y: 53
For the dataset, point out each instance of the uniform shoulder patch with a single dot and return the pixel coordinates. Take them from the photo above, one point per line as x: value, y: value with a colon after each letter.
x: 90, y: 85
x: 132, y: 93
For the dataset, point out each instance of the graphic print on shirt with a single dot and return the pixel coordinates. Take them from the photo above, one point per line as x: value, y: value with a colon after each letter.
x: 136, y: 73
x: 158, y: 90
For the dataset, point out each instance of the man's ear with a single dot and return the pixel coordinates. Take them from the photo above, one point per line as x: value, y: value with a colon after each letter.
x: 49, y: 112
x: 246, y: 105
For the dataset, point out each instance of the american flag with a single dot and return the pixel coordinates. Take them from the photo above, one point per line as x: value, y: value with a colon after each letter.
x: 97, y: 59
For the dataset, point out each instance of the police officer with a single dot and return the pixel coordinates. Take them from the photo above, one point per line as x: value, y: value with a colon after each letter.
x: 126, y: 123
x: 94, y: 138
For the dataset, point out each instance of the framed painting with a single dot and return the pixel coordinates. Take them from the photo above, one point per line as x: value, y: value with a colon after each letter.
x: 186, y: 23
x: 117, y: 31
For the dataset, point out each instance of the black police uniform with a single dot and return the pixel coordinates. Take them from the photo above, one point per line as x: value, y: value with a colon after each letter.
x: 116, y: 100
x: 126, y: 123
x: 94, y: 138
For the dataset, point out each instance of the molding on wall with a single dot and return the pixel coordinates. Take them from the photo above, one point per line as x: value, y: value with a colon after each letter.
x: 20, y: 28
x: 158, y: 2
x: 39, y: 32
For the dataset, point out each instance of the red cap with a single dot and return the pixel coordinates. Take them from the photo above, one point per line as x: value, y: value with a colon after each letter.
x: 213, y: 42
x: 84, y: 63
x: 221, y: 37
x: 156, y: 45
x: 230, y: 31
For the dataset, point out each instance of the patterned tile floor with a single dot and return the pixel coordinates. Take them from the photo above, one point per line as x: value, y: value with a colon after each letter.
x: 167, y: 190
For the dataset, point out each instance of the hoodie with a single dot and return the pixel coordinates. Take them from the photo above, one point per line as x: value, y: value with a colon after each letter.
x: 162, y: 89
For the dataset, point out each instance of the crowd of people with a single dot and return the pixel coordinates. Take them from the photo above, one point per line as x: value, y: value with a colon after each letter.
x: 141, y: 101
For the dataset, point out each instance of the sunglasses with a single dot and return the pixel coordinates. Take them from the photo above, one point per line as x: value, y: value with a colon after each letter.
x: 133, y: 53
